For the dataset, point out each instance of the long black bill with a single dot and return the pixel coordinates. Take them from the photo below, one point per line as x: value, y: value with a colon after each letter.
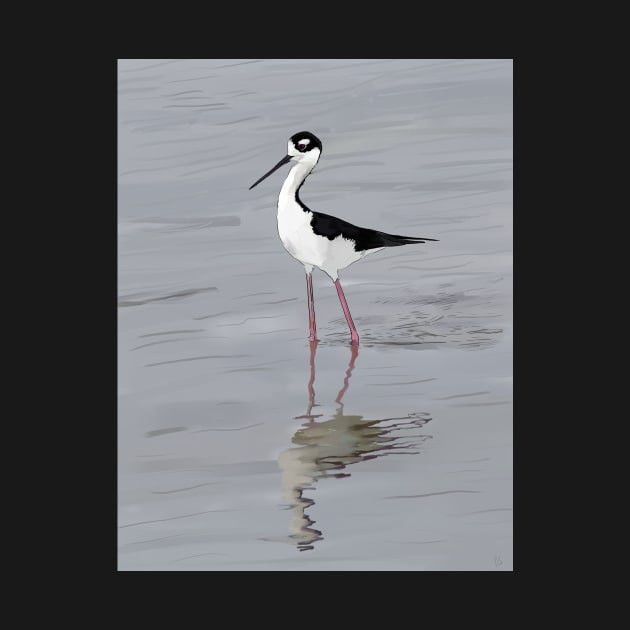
x: 282, y: 162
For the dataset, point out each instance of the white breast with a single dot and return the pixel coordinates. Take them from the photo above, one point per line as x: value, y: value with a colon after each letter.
x: 296, y: 234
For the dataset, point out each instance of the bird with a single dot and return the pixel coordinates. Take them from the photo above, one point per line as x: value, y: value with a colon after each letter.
x: 320, y: 240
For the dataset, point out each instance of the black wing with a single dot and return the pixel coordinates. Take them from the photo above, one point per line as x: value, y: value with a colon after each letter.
x: 364, y: 238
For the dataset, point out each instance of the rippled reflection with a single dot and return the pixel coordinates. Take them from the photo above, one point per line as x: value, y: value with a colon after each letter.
x: 325, y: 448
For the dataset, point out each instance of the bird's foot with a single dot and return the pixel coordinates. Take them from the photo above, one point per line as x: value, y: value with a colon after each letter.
x: 313, y: 337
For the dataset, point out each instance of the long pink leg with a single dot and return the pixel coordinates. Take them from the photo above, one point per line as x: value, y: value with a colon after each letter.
x: 311, y: 307
x: 346, y: 311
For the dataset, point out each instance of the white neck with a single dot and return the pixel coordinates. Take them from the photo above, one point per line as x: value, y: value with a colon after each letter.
x: 298, y: 173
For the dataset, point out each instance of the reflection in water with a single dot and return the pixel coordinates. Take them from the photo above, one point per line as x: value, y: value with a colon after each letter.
x: 325, y: 448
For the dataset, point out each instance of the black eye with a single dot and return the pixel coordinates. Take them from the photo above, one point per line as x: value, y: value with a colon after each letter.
x: 301, y: 147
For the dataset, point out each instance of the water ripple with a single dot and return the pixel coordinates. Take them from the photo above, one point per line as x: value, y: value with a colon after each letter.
x: 431, y: 494
x: 208, y: 356
x: 126, y: 301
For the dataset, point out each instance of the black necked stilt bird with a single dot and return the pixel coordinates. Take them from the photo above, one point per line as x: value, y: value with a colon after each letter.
x: 317, y: 239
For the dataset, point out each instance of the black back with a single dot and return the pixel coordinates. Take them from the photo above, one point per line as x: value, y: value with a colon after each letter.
x: 364, y: 238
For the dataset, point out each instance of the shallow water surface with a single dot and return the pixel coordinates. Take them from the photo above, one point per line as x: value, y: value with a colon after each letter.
x: 242, y: 446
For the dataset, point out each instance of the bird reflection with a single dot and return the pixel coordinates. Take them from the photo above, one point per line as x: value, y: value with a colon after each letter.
x: 325, y: 448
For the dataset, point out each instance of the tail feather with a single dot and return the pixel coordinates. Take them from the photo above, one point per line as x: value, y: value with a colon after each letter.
x: 395, y: 240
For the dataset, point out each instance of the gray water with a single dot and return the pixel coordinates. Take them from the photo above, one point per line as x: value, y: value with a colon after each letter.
x: 240, y: 445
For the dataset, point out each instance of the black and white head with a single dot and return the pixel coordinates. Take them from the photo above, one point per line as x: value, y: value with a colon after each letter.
x: 303, y: 148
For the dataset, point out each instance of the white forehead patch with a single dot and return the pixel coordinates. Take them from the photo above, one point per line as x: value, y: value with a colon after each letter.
x: 304, y: 141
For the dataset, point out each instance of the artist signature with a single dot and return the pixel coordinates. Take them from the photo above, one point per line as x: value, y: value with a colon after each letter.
x: 497, y: 560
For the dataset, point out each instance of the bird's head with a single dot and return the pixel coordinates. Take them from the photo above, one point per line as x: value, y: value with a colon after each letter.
x: 303, y: 148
